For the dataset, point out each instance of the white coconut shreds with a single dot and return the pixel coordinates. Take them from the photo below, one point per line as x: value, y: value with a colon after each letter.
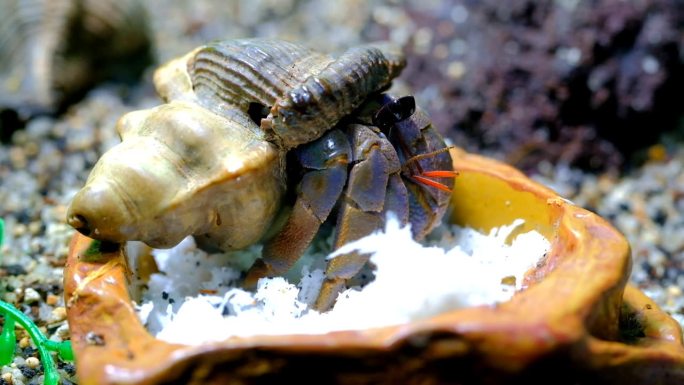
x: 411, y: 282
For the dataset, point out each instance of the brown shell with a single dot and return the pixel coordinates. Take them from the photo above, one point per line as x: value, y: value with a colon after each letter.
x: 307, y: 92
x: 52, y: 50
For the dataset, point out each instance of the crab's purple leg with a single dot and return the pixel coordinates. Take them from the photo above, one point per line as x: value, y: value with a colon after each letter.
x: 429, y: 199
x: 423, y: 155
x: 374, y: 187
x: 326, y: 161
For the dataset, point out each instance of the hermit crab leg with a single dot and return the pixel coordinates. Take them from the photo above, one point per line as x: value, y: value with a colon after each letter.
x: 392, y: 113
x: 326, y: 159
x: 405, y: 136
x: 423, y: 155
x: 374, y: 187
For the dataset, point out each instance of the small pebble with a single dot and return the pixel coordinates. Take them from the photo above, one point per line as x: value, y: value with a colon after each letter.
x: 28, y: 372
x: 31, y: 296
x: 62, y: 332
x: 456, y: 70
x: 58, y: 314
x: 52, y: 299
x: 32, y: 362
x: 657, y: 153
x: 18, y: 157
x: 24, y: 342
x: 440, y: 52
x: 422, y: 40
x: 7, y: 377
x: 35, y: 227
x: 19, y: 229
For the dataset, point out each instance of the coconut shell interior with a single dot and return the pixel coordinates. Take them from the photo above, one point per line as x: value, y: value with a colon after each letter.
x: 575, y: 321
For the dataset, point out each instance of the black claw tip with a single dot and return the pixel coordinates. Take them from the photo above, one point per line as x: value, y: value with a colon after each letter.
x: 395, y: 111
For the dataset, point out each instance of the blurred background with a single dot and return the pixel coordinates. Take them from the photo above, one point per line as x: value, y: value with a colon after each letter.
x: 585, y: 96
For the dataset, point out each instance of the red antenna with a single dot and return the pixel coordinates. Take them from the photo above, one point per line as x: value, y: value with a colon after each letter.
x: 395, y: 111
x: 423, y: 176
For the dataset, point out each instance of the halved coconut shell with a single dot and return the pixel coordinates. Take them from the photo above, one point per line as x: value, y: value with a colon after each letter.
x: 573, y: 323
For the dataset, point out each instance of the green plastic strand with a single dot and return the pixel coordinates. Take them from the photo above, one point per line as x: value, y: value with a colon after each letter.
x: 49, y: 368
x: 8, y: 338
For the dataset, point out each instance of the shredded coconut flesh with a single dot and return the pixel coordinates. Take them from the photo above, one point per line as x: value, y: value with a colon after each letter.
x: 412, y: 282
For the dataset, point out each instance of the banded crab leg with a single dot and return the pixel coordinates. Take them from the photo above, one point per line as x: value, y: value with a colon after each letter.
x: 382, y: 178
x: 387, y: 171
x: 423, y: 155
x: 326, y: 160
x: 373, y: 189
x: 389, y: 117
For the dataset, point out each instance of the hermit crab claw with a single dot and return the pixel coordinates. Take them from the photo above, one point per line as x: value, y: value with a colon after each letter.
x: 394, y: 112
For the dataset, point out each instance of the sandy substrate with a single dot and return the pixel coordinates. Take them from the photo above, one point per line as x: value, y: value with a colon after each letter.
x: 411, y: 282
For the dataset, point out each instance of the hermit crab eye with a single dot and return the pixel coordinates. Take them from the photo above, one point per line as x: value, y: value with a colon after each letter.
x: 395, y: 111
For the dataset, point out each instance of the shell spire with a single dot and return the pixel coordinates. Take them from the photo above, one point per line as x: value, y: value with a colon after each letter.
x: 303, y: 93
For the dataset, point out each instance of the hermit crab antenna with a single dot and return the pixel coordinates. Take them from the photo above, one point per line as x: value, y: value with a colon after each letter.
x: 426, y: 155
x: 423, y: 176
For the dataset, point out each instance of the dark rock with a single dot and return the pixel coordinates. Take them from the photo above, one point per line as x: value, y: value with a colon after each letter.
x: 586, y: 83
x: 13, y: 269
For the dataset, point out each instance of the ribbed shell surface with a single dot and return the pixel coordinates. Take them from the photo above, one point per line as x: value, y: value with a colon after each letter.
x: 307, y: 92
x: 240, y: 72
x: 29, y: 35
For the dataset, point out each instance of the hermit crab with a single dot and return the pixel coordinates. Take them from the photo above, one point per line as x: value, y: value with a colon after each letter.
x: 248, y: 124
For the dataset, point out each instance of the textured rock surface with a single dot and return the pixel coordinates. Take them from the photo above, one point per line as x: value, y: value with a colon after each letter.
x: 581, y: 82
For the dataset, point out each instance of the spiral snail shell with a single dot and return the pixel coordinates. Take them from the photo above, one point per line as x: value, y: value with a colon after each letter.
x: 305, y: 92
x: 53, y: 50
